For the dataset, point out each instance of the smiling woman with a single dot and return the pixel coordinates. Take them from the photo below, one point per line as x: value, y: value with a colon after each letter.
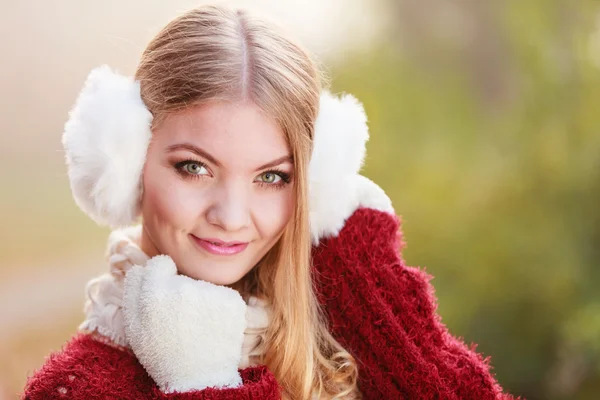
x: 265, y: 266
x: 228, y: 171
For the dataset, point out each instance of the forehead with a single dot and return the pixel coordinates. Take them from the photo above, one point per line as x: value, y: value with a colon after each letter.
x: 232, y: 132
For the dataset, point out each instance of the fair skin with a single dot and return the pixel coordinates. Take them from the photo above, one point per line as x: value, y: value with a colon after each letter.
x: 218, y: 190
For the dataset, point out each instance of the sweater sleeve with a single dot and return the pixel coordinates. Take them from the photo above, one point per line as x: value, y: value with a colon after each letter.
x: 384, y: 313
x: 88, y: 369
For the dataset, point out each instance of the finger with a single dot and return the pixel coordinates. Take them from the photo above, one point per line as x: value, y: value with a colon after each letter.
x: 161, y: 266
x: 372, y: 196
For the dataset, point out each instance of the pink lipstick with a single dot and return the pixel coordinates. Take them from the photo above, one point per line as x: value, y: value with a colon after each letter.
x: 219, y: 247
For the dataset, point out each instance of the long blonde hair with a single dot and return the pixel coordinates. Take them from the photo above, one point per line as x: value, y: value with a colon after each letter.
x: 215, y: 53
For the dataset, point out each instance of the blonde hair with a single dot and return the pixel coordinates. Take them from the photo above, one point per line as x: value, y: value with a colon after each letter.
x: 215, y: 53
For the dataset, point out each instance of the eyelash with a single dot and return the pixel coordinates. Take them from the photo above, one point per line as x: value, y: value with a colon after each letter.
x: 285, y: 177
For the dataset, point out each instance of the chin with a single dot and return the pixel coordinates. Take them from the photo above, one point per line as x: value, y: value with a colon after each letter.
x: 210, y: 276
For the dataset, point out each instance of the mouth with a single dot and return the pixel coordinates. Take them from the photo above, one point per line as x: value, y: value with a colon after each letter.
x: 220, y: 247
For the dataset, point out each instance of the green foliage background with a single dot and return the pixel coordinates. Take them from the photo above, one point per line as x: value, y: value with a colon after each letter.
x: 490, y: 150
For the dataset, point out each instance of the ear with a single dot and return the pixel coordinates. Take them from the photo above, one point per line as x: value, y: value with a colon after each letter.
x: 105, y: 140
x: 335, y: 187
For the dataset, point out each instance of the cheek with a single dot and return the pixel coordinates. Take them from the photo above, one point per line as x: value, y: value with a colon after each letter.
x: 167, y: 199
x: 273, y: 211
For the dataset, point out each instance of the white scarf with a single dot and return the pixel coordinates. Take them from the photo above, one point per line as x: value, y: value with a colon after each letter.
x: 103, y: 307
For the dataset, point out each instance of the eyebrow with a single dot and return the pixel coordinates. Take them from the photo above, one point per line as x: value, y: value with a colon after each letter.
x: 203, y: 153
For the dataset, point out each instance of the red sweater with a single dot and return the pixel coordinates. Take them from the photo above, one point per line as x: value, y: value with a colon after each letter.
x: 380, y: 310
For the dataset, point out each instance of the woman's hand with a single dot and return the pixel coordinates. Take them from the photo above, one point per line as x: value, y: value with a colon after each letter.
x: 186, y: 333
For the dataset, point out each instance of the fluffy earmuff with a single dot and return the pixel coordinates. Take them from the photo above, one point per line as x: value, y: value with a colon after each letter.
x: 105, y: 140
x: 108, y: 132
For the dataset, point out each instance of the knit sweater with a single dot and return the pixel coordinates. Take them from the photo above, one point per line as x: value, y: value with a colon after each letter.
x: 382, y: 311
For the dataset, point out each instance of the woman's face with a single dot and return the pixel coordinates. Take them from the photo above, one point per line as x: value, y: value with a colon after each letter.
x: 218, y: 190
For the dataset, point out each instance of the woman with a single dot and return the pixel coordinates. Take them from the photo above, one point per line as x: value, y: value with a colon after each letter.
x: 254, y: 218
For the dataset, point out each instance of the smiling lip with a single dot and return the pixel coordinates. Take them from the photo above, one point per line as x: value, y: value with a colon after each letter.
x: 219, y: 247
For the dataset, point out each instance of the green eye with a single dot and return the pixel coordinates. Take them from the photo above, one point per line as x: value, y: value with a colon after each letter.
x: 269, y: 177
x: 194, y: 169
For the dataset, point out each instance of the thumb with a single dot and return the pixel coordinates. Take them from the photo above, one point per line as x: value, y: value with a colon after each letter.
x: 161, y: 266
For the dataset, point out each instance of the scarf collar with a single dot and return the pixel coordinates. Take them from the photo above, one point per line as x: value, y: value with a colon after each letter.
x: 104, y: 296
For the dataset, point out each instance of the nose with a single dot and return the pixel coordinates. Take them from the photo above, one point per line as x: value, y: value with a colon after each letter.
x: 229, y: 209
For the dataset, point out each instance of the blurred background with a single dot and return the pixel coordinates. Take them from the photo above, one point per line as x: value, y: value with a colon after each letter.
x: 485, y: 132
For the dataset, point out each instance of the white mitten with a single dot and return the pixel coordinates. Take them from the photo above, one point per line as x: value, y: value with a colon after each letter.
x: 187, y: 333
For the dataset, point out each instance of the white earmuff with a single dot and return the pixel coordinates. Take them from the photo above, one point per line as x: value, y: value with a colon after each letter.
x: 109, y: 129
